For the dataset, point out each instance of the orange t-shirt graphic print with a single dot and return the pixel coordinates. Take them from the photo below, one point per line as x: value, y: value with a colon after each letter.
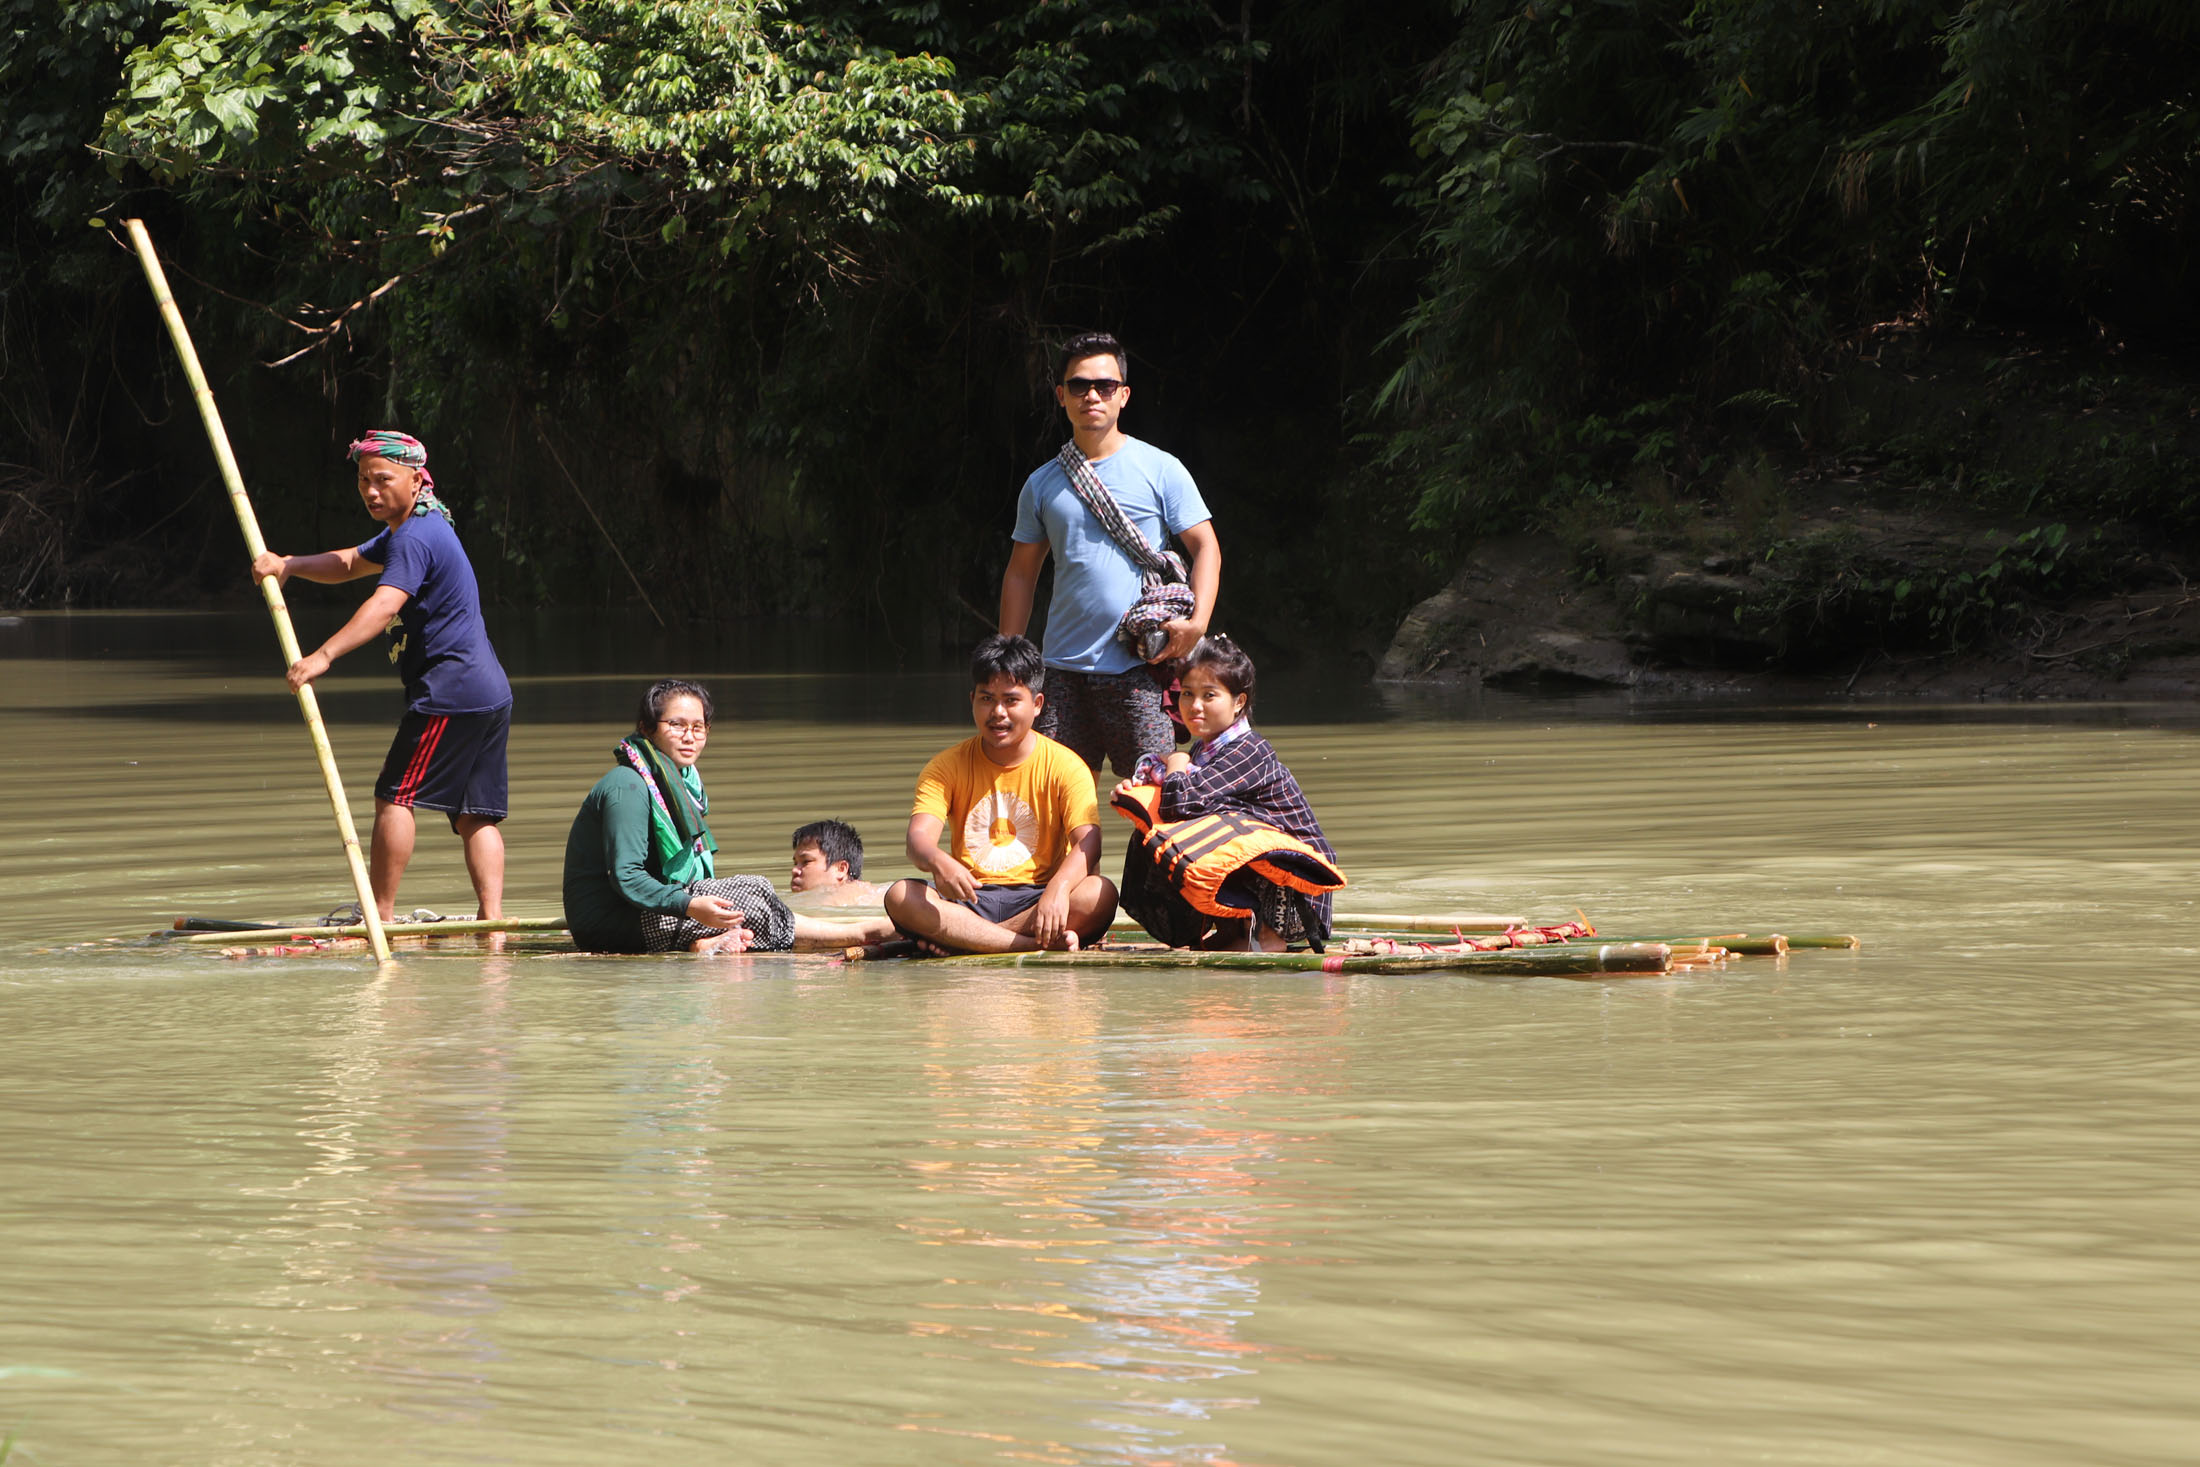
x: 1001, y: 833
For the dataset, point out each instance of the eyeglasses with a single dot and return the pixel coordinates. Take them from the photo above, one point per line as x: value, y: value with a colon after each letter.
x: 682, y: 730
x: 1106, y: 387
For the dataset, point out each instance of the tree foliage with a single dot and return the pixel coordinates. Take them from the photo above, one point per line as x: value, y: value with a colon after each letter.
x: 389, y: 133
x: 783, y: 273
x: 719, y: 238
x: 1641, y: 212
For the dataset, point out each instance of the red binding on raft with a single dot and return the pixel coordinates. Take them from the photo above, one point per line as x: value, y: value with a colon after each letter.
x: 1461, y: 943
x: 1203, y: 857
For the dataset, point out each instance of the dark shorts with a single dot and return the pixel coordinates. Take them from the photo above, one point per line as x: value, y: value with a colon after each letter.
x: 999, y: 903
x: 453, y: 762
x: 1115, y: 716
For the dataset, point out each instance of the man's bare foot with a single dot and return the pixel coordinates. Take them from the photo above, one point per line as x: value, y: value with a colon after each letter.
x: 733, y: 940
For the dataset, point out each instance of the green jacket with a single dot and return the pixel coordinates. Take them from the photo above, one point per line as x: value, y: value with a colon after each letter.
x: 612, y: 874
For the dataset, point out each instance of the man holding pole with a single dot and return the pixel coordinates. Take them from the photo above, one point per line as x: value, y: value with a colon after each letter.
x: 449, y: 754
x: 1105, y: 507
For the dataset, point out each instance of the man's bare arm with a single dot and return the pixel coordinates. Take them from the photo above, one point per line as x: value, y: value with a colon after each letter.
x: 1078, y: 862
x: 329, y: 568
x: 1050, y: 915
x: 1019, y: 583
x: 1206, y: 568
x: 366, y: 623
x: 950, y: 877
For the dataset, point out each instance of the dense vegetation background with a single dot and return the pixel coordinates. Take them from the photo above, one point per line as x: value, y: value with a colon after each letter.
x: 763, y: 292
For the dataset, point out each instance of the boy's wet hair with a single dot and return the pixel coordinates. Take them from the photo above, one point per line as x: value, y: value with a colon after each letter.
x: 663, y: 691
x: 1012, y: 657
x: 1225, y: 661
x: 836, y: 840
x: 1093, y: 344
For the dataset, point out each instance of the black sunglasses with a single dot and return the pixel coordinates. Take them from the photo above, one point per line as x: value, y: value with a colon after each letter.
x: 1107, y: 387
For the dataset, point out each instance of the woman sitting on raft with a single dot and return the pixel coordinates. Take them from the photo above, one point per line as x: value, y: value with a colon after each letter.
x: 1229, y: 770
x: 638, y: 867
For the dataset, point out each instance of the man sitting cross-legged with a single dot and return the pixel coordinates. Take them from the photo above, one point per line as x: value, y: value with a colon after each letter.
x: 1024, y: 824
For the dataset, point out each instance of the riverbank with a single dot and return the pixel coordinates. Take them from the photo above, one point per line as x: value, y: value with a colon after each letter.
x: 1975, y: 521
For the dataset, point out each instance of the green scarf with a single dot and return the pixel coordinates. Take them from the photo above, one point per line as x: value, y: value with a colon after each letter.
x: 678, y: 831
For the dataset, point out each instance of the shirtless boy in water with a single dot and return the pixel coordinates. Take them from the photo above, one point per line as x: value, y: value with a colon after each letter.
x: 828, y: 865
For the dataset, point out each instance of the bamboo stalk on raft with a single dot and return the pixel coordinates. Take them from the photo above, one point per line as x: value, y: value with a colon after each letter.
x: 285, y: 634
x: 456, y: 927
x: 1478, y: 923
x: 1565, y: 960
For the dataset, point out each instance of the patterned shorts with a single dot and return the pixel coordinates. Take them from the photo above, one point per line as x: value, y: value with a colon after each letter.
x: 1113, y: 715
x: 767, y: 917
x: 1278, y: 911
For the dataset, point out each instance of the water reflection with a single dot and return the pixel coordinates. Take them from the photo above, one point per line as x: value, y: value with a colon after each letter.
x: 392, y: 1248
x: 1121, y: 1159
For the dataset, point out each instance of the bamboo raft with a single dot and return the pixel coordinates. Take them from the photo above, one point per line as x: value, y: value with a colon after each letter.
x: 1363, y: 943
x: 1566, y: 950
x: 1609, y: 959
x: 218, y: 930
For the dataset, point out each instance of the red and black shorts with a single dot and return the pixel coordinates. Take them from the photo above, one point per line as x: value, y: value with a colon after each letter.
x: 453, y: 762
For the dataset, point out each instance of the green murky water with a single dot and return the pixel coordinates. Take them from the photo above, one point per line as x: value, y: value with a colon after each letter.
x: 1931, y: 1202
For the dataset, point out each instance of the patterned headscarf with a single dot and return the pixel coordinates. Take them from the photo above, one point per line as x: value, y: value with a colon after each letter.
x: 403, y: 448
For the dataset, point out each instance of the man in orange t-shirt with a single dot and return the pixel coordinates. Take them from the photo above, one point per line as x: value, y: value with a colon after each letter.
x: 1023, y: 821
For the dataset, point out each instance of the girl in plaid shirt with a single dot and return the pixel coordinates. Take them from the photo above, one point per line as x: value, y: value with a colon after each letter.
x: 1228, y: 768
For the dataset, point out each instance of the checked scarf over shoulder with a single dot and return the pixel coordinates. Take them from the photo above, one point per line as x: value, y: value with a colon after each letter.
x: 403, y: 448
x: 678, y: 830
x: 1166, y: 595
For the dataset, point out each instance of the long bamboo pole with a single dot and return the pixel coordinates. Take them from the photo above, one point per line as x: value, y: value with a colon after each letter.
x: 269, y: 587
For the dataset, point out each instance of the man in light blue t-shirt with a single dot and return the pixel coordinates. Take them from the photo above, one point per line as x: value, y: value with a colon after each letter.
x: 1101, y: 700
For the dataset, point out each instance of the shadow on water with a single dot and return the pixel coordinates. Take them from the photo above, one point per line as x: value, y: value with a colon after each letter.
x: 566, y: 667
x: 587, y: 666
x: 1435, y: 702
x: 577, y: 667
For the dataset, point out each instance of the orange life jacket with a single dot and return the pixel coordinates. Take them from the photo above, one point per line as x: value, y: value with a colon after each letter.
x: 1207, y: 857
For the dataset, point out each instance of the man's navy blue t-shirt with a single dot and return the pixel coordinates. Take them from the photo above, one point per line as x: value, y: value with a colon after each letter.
x: 438, y: 641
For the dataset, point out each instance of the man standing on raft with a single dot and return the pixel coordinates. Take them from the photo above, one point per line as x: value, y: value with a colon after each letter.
x: 449, y: 754
x: 1100, y: 701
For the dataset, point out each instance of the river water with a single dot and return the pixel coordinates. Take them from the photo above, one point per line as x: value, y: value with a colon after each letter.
x: 1929, y: 1202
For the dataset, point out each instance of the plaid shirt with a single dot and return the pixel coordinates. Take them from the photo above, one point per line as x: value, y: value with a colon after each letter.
x: 1244, y: 774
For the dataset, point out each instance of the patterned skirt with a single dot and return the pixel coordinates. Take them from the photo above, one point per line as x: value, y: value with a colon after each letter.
x: 769, y: 922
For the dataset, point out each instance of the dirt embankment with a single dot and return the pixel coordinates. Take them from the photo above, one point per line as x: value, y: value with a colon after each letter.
x: 1989, y: 525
